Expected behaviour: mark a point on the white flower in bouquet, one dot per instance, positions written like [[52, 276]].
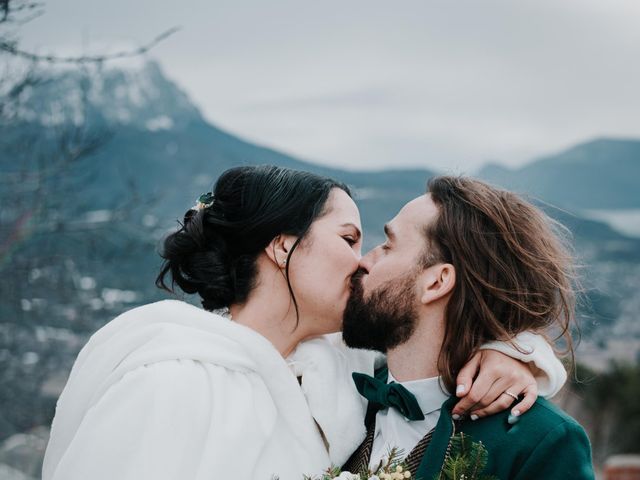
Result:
[[348, 476]]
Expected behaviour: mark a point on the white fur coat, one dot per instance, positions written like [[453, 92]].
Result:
[[170, 391]]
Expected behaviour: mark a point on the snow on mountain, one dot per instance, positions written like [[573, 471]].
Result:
[[125, 93]]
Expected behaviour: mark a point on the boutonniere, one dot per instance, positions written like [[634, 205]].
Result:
[[466, 460]]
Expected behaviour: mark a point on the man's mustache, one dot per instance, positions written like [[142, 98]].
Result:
[[356, 278]]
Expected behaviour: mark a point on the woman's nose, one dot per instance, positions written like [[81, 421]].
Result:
[[366, 262]]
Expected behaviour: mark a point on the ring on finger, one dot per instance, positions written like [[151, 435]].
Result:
[[507, 392]]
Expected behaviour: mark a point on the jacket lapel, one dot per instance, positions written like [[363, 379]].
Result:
[[437, 450], [414, 459]]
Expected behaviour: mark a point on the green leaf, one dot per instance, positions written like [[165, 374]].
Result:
[[467, 458]]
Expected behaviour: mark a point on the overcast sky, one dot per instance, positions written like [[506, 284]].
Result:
[[378, 83]]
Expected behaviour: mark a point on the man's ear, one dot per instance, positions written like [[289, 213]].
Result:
[[437, 282], [278, 249]]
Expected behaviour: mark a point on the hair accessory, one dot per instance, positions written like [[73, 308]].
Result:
[[204, 201]]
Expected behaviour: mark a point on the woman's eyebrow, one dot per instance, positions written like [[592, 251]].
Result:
[[358, 232]]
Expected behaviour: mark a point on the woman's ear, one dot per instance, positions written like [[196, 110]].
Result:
[[437, 282], [278, 249]]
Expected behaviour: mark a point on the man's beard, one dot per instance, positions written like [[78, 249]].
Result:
[[386, 319]]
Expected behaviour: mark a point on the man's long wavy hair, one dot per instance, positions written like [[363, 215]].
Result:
[[514, 269]]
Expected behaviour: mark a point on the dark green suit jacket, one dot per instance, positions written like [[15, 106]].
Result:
[[545, 443]]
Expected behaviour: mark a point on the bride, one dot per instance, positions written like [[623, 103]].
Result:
[[169, 390]]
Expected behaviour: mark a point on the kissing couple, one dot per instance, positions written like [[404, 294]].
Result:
[[446, 329]]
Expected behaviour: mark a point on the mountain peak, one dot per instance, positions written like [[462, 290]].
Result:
[[599, 173], [601, 150], [123, 93]]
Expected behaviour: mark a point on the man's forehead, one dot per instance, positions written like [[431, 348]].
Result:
[[416, 214]]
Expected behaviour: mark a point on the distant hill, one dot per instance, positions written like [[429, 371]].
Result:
[[160, 144], [600, 174]]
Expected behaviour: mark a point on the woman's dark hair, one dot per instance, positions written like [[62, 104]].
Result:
[[214, 252]]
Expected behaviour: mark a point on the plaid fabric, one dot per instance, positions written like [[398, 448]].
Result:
[[359, 460], [412, 461]]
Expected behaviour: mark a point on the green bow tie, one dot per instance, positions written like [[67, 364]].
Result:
[[384, 395]]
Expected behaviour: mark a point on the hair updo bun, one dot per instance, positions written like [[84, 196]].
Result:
[[198, 261], [214, 252]]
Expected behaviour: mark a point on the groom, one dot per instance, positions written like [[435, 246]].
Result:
[[463, 265]]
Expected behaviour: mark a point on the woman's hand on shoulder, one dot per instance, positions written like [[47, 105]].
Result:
[[488, 383]]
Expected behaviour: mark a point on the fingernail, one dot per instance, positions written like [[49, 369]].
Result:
[[474, 417], [460, 389], [455, 416], [513, 419], [516, 413]]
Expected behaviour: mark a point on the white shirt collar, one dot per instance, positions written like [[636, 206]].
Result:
[[427, 391]]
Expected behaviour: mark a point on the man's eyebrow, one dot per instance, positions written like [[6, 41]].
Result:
[[389, 232], [358, 232]]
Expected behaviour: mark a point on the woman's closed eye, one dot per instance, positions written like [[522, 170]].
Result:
[[350, 240]]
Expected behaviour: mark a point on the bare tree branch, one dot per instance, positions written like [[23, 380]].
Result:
[[4, 7], [7, 9], [12, 48]]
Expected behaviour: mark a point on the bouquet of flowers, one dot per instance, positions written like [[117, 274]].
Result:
[[465, 460], [392, 468]]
